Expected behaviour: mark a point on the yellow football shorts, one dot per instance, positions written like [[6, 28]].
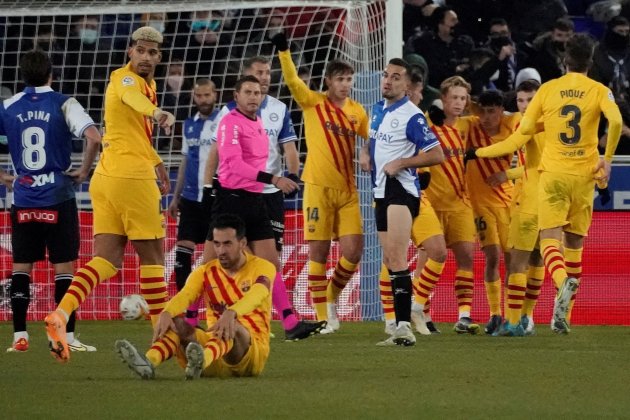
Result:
[[565, 201], [523, 234], [493, 225], [426, 224], [329, 213], [127, 207], [457, 226]]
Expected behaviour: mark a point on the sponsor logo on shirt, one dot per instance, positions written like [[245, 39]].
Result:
[[273, 117], [37, 180], [37, 215]]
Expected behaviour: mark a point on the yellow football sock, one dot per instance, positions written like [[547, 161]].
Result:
[[84, 281], [493, 293], [153, 289], [573, 261], [387, 298], [429, 276], [344, 270], [317, 285], [516, 288], [214, 349], [464, 283], [554, 260], [163, 349], [535, 278]]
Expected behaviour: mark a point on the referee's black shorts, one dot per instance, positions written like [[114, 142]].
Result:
[[194, 221], [275, 209], [250, 207]]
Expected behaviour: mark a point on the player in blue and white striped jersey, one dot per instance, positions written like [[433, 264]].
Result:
[[39, 124], [398, 132], [188, 198], [282, 141]]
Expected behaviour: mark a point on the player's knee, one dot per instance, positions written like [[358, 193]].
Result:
[[184, 331], [437, 254]]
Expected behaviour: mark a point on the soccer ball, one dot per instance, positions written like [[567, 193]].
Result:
[[133, 307]]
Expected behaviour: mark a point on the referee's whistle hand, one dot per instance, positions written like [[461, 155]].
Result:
[[285, 185]]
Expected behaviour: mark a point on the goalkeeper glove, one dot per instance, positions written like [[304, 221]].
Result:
[[437, 115], [280, 41], [425, 180], [296, 179], [604, 195], [469, 155]]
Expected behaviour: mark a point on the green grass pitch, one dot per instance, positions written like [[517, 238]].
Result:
[[583, 375]]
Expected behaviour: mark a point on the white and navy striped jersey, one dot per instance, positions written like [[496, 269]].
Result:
[[279, 127], [398, 131], [197, 138], [39, 124]]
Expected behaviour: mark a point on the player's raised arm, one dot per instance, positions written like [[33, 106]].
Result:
[[304, 96]]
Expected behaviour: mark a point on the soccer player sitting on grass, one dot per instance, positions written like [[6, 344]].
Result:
[[236, 288]]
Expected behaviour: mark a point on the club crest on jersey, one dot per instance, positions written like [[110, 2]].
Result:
[[128, 81], [244, 286], [395, 123], [274, 117]]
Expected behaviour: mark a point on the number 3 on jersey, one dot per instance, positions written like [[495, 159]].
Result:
[[33, 152], [573, 124]]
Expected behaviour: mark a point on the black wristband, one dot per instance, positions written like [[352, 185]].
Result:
[[264, 177], [294, 178]]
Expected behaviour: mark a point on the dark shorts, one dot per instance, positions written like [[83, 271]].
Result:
[[55, 228], [395, 194], [194, 221], [248, 206], [275, 209]]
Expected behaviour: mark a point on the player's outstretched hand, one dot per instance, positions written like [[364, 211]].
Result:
[[471, 154], [286, 185], [225, 327], [162, 326], [7, 180], [279, 40], [296, 179], [164, 119], [496, 179], [437, 115]]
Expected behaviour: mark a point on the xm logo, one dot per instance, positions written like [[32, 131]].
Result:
[[37, 180]]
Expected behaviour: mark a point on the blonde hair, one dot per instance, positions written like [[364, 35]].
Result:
[[454, 81], [147, 33]]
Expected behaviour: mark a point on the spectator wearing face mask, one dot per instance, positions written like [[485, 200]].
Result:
[[203, 45], [611, 67], [549, 47], [159, 22], [176, 98], [86, 63], [445, 51]]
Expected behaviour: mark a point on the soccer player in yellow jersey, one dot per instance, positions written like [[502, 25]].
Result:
[[236, 287], [331, 203], [448, 195], [570, 108], [491, 197], [523, 284], [125, 196]]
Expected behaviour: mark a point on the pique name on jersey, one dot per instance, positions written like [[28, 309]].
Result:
[[572, 93], [34, 115]]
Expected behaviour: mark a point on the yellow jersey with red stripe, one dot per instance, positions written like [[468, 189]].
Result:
[[330, 132], [127, 141], [220, 291], [570, 107], [478, 170], [447, 190]]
